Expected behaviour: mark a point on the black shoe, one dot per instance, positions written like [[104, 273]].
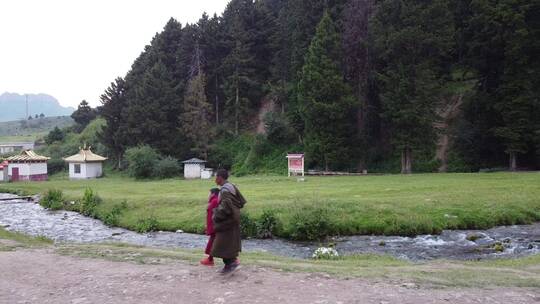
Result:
[[229, 269]]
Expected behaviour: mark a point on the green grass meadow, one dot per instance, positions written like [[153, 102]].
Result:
[[385, 204]]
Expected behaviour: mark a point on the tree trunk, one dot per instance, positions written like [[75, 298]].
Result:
[[406, 161], [449, 109], [217, 103], [283, 89], [513, 161], [236, 104], [326, 167], [119, 161]]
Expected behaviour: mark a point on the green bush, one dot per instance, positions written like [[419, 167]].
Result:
[[167, 167], [410, 226], [278, 130], [311, 225], [55, 165], [262, 157], [147, 224], [456, 163], [229, 150], [141, 161], [89, 203], [248, 227], [54, 135], [53, 199], [112, 218], [267, 225]]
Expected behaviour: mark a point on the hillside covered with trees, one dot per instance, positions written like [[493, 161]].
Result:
[[382, 85]]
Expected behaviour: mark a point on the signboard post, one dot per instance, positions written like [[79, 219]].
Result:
[[296, 163]]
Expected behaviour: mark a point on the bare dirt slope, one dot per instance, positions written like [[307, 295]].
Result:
[[40, 276]]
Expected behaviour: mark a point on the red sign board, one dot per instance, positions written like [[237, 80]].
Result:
[[296, 163]]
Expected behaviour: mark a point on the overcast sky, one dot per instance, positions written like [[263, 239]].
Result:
[[73, 49]]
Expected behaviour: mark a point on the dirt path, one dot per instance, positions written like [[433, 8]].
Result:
[[41, 276]]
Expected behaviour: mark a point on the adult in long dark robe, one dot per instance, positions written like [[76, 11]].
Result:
[[227, 244]]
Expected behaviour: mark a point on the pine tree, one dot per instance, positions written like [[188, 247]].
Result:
[[412, 40], [196, 114], [154, 92], [83, 115], [54, 135], [515, 99], [325, 100], [295, 26], [152, 117], [240, 86], [237, 84], [501, 44], [212, 45], [114, 134], [360, 75]]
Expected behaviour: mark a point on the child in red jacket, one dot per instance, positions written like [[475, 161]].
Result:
[[213, 202]]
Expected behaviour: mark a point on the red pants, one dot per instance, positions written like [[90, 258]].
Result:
[[209, 245]]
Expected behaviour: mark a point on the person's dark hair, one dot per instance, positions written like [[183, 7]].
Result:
[[214, 191], [223, 174]]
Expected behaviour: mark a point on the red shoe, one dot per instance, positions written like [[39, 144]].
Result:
[[207, 262]]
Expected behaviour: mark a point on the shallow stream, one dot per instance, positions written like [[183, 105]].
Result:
[[64, 226]]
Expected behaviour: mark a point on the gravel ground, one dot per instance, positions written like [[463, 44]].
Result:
[[41, 276]]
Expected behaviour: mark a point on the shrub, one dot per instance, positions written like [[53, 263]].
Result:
[[310, 225], [456, 163], [278, 131], [253, 158], [229, 150], [267, 225], [141, 161], [89, 203], [248, 227], [167, 167], [112, 218], [54, 135], [53, 200], [262, 157], [146, 224], [55, 165]]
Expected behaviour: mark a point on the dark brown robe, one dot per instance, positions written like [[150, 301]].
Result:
[[226, 218]]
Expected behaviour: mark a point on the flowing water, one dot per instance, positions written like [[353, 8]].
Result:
[[64, 226]]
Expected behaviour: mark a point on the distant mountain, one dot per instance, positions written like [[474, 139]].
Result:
[[13, 106]]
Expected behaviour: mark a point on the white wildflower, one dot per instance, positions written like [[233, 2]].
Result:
[[325, 253]]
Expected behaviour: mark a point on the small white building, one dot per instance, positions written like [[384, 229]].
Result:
[[11, 147], [27, 166], [207, 173], [193, 168], [3, 171], [85, 164]]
